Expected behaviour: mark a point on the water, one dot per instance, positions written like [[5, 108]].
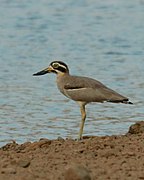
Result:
[[100, 39]]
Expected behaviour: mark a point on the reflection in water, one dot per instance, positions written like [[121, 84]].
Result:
[[103, 40]]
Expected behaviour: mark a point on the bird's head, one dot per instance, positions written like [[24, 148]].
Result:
[[57, 67]]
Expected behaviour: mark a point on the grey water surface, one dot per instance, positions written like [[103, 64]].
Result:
[[100, 39]]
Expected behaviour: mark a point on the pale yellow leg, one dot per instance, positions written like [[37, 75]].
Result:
[[83, 115]]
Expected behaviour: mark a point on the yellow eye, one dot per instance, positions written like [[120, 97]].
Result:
[[55, 65]]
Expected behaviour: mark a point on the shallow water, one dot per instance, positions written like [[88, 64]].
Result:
[[100, 39]]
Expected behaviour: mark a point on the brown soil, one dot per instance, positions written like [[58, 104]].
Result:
[[93, 158]]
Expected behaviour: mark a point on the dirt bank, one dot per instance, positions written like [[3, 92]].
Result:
[[96, 158]]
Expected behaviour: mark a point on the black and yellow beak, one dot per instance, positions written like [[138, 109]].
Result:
[[44, 71]]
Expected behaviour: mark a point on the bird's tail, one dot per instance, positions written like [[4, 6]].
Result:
[[125, 101]]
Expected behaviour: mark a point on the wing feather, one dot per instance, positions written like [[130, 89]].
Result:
[[88, 90]]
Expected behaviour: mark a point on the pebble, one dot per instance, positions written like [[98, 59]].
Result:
[[8, 171], [24, 163], [77, 172]]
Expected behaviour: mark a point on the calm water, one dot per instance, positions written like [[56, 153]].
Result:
[[100, 39]]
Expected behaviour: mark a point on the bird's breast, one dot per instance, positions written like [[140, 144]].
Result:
[[61, 81]]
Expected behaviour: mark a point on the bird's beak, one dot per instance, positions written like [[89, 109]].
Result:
[[44, 71]]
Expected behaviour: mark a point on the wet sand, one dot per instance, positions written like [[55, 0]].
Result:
[[97, 158]]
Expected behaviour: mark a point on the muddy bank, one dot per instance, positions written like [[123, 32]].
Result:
[[108, 157]]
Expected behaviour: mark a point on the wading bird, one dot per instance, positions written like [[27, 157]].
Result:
[[83, 90]]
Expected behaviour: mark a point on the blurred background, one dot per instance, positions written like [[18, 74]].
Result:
[[99, 39]]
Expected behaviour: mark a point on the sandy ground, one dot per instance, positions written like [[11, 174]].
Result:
[[93, 158]]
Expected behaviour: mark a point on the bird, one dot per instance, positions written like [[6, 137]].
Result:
[[81, 89]]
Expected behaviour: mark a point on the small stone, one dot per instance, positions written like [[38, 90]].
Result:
[[8, 171], [77, 172], [44, 139], [24, 163], [60, 138]]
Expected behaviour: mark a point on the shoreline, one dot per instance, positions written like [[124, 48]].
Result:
[[96, 157]]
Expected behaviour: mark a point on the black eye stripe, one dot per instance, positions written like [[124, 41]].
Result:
[[61, 69], [59, 66]]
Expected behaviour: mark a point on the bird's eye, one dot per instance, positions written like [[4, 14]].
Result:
[[55, 65]]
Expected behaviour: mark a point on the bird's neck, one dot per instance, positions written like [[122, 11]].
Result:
[[61, 74]]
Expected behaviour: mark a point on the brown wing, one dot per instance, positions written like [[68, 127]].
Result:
[[90, 90]]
